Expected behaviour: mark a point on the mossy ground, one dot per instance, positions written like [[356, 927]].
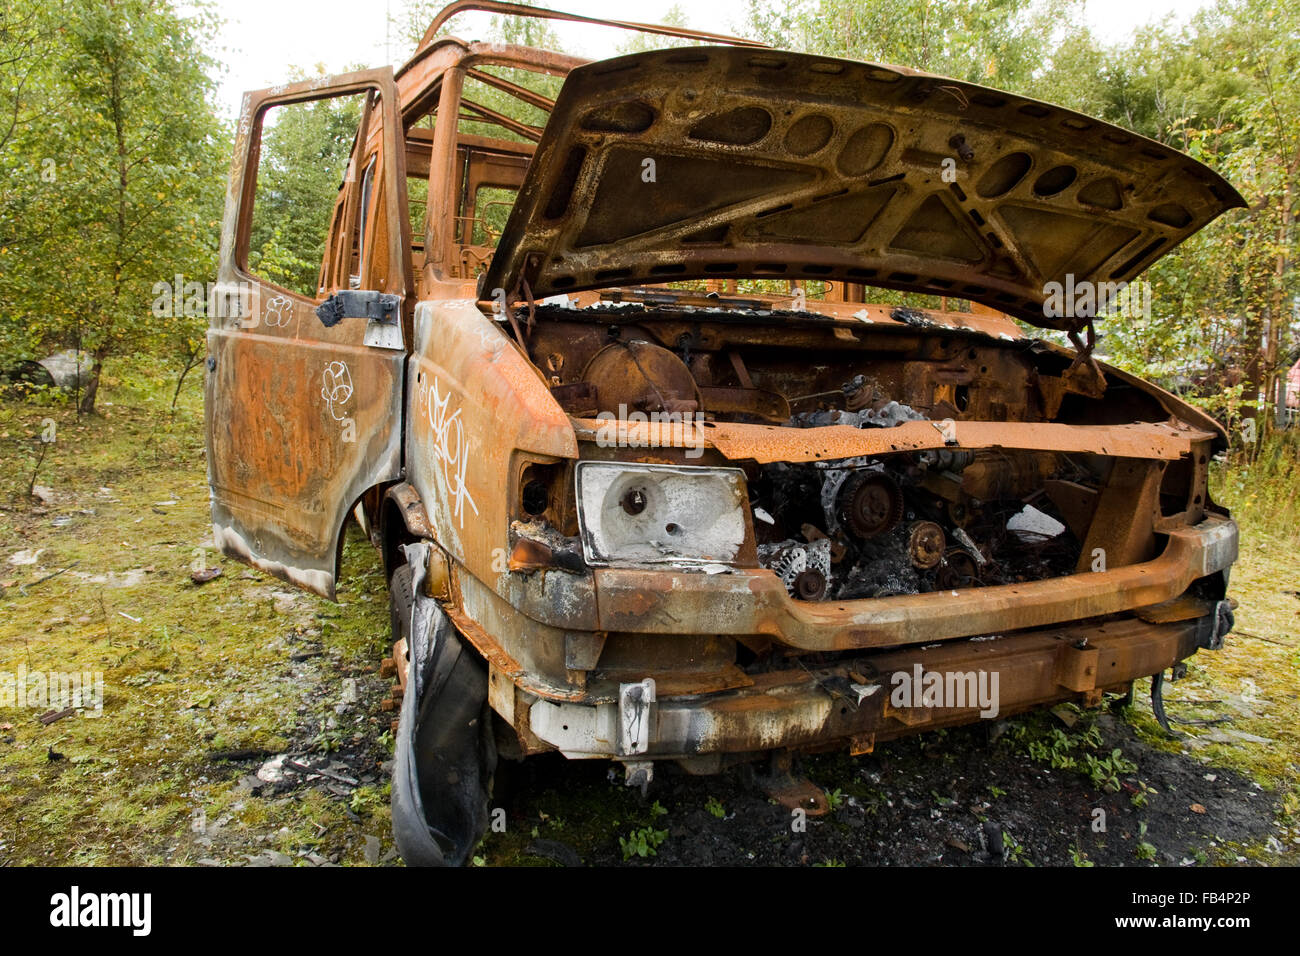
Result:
[[189, 670], [195, 672]]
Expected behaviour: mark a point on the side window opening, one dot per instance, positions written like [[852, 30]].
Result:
[[489, 213], [503, 111], [302, 172], [417, 201], [419, 146], [359, 236], [500, 119], [506, 103]]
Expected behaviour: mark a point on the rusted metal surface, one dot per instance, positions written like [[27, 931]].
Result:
[[301, 419], [722, 161], [920, 429], [762, 443], [800, 707], [412, 510], [488, 6], [740, 603]]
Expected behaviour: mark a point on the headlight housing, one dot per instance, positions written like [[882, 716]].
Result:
[[660, 514]]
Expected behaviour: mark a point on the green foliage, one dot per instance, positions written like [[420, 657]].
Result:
[[1014, 851], [1144, 850], [645, 841], [642, 842], [1079, 749], [117, 132], [365, 800], [1259, 485], [275, 260], [1000, 43], [674, 16], [305, 152], [715, 808]]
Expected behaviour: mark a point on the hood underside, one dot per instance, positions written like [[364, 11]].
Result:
[[719, 162]]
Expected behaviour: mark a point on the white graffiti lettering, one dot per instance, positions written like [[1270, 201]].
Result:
[[450, 448], [279, 310], [336, 389]]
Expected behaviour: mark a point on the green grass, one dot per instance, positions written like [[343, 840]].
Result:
[[188, 670]]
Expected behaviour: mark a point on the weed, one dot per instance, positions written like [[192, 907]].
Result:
[[642, 842], [1076, 750], [1144, 850]]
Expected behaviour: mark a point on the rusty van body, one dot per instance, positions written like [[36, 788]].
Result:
[[652, 480]]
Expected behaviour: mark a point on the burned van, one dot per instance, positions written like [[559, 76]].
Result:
[[590, 353]]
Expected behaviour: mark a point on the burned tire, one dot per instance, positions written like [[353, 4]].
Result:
[[400, 600], [442, 772]]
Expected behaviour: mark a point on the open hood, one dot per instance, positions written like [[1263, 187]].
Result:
[[719, 162]]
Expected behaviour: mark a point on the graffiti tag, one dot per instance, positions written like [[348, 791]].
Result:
[[450, 448]]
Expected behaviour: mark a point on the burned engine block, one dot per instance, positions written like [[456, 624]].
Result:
[[911, 522]]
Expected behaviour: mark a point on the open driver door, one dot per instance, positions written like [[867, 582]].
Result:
[[304, 390]]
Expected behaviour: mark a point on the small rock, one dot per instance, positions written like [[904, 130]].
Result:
[[350, 691], [273, 770], [372, 850], [251, 784], [1065, 715], [555, 851]]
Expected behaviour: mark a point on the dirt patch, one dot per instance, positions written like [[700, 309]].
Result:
[[958, 798]]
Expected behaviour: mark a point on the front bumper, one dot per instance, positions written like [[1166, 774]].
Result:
[[806, 708], [1046, 641], [650, 601]]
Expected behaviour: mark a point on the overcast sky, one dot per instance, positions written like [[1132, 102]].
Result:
[[262, 39]]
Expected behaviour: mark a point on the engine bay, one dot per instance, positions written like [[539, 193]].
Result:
[[912, 522]]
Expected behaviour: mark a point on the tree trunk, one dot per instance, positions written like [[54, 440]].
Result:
[[191, 362], [87, 406], [1251, 368]]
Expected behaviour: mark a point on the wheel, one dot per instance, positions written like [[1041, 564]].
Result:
[[400, 601], [442, 772]]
